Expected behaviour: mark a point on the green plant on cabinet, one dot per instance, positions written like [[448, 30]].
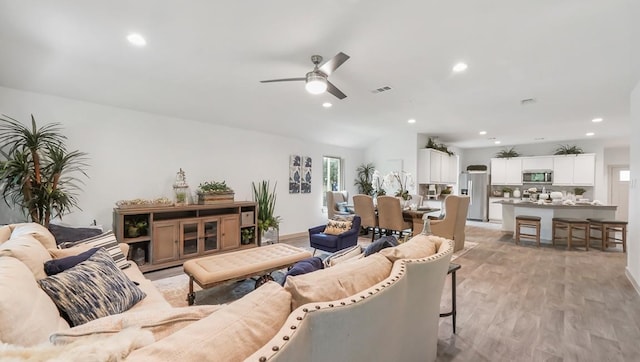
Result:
[[507, 153], [135, 226], [214, 187], [247, 235], [568, 150], [37, 172]]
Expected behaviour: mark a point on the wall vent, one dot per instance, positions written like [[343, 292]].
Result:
[[381, 89], [528, 101]]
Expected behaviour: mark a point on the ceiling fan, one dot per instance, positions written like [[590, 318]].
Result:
[[316, 80]]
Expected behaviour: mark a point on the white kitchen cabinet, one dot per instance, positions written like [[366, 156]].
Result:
[[495, 210], [537, 163], [574, 170], [435, 167], [506, 171]]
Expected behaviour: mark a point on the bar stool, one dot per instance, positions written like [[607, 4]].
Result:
[[571, 226], [528, 221], [608, 230]]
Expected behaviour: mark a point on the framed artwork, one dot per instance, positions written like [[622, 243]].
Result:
[[294, 174], [305, 187], [299, 174]]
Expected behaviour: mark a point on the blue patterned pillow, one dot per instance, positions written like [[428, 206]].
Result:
[[92, 289]]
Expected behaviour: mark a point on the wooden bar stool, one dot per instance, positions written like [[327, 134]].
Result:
[[527, 221], [607, 232], [572, 227]]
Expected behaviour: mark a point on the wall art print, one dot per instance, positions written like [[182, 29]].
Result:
[[299, 174]]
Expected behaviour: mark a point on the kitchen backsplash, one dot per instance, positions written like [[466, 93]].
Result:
[[498, 191]]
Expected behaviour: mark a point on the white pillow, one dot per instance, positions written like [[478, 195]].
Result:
[[29, 251]]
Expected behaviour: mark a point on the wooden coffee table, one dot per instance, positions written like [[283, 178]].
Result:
[[217, 269]]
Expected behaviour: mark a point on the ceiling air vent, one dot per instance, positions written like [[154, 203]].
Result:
[[381, 89], [528, 101]]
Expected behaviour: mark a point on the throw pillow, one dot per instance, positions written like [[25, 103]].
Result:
[[107, 241], [305, 266], [419, 246], [339, 217], [29, 251], [37, 231], [335, 227], [340, 281], [384, 242], [5, 233], [343, 255], [55, 266], [70, 234], [92, 289], [27, 314], [342, 206]]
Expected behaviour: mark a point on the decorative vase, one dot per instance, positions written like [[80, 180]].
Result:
[[269, 236]]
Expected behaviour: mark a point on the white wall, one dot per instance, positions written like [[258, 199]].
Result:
[[136, 155], [633, 248], [395, 149]]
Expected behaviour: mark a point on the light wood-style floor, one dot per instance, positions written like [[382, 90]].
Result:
[[521, 303]]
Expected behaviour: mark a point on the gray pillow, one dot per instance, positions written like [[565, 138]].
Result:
[[69, 234], [92, 289]]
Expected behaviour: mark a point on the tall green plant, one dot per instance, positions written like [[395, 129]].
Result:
[[364, 180], [37, 173], [266, 200]]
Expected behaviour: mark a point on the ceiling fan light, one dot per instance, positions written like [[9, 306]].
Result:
[[316, 84]]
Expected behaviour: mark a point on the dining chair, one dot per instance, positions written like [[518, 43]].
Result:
[[363, 205], [416, 199], [455, 218], [390, 215]]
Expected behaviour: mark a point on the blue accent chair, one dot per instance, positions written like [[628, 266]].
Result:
[[332, 243]]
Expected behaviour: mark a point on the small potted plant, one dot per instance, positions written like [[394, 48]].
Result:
[[579, 191], [506, 192], [247, 235], [211, 192], [135, 227]]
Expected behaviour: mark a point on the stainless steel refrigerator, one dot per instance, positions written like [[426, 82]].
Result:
[[476, 185]]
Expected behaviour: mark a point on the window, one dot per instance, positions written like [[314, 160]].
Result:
[[331, 176], [625, 175]]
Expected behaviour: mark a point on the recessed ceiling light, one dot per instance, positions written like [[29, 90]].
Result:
[[327, 105], [497, 142], [412, 120], [483, 132], [460, 67], [136, 39], [596, 120], [589, 134]]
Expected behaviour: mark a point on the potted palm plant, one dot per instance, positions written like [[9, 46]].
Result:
[[37, 172], [365, 178], [268, 223]]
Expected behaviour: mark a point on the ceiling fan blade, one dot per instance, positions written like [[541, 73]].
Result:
[[335, 91], [282, 80], [332, 64]]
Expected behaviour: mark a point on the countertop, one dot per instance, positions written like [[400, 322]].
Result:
[[521, 203]]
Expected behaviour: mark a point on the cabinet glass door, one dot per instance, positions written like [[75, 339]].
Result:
[[210, 235], [189, 238]]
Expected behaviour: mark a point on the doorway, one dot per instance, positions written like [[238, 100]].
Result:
[[619, 177]]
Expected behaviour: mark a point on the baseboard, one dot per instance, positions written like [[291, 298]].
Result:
[[632, 280], [293, 236]]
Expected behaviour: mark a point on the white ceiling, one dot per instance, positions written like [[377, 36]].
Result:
[[204, 61]]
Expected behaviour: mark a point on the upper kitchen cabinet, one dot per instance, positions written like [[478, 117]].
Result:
[[537, 163], [574, 170], [435, 167], [506, 171]]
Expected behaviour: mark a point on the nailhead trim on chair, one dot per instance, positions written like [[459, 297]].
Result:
[[369, 293]]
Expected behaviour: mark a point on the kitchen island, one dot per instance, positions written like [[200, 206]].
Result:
[[547, 211]]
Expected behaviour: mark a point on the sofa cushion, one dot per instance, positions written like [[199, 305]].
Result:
[[230, 334], [5, 233], [383, 242], [27, 314], [92, 289], [107, 241], [37, 231], [29, 251], [335, 227], [63, 233], [55, 266], [343, 255], [340, 281], [419, 246]]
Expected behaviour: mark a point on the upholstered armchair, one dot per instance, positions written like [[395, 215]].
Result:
[[336, 201], [452, 225], [330, 242]]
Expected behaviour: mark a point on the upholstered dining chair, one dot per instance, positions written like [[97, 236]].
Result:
[[331, 240], [363, 205], [416, 199], [390, 215], [336, 203], [455, 218]]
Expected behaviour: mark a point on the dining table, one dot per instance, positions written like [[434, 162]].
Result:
[[415, 217]]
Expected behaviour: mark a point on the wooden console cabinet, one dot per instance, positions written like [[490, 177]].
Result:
[[177, 233]]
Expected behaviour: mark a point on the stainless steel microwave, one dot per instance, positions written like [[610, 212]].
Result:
[[537, 176]]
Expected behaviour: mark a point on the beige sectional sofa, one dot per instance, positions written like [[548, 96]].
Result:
[[382, 307]]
